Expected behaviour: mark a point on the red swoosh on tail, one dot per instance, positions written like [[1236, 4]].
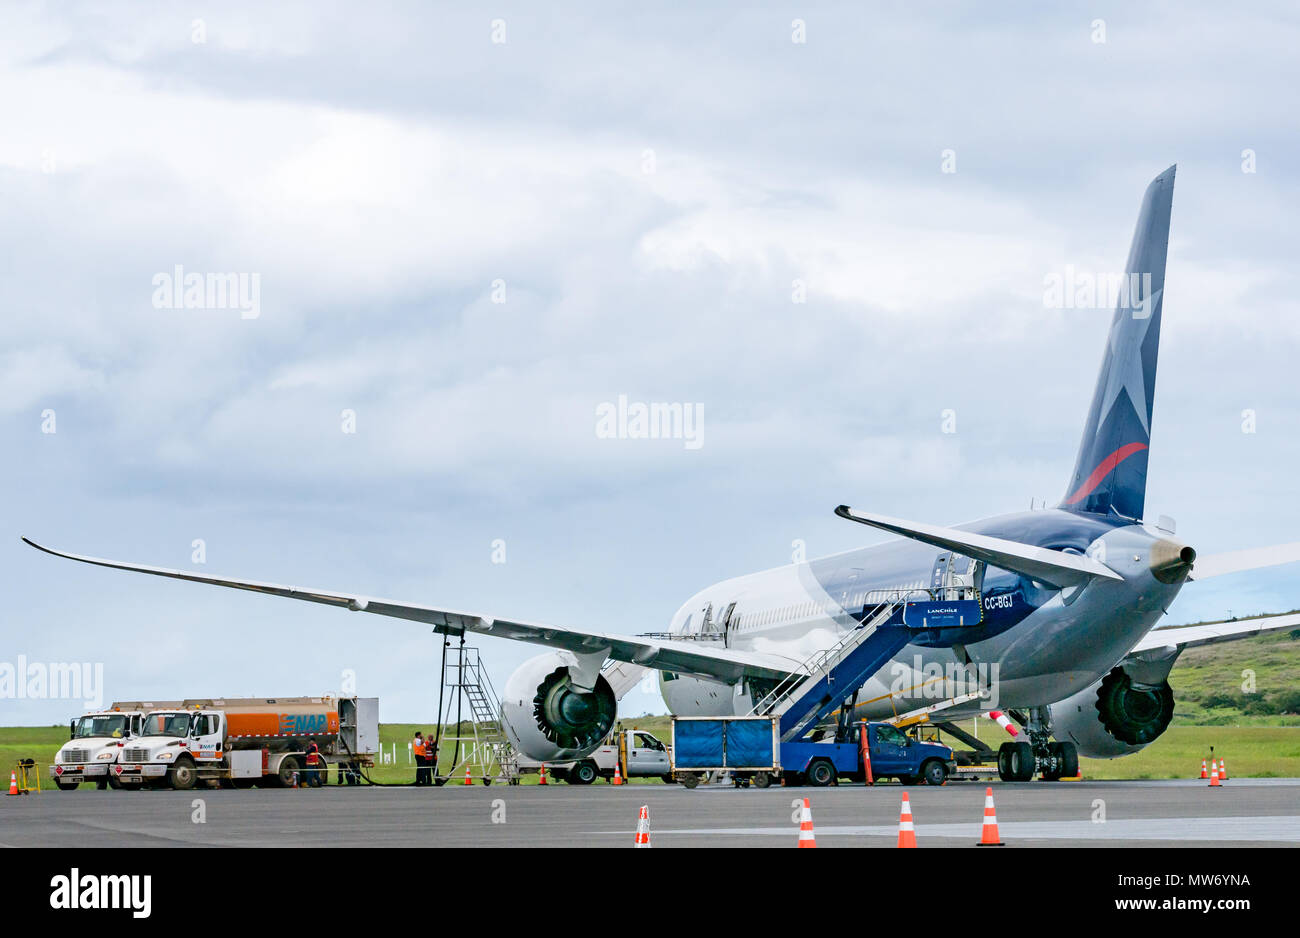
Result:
[[1102, 470]]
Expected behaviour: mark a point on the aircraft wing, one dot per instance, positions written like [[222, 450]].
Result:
[[1041, 563], [1190, 636], [703, 659]]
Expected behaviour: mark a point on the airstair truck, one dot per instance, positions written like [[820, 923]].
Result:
[[243, 742], [93, 742]]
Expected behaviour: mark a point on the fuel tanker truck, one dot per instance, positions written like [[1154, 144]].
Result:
[[248, 741]]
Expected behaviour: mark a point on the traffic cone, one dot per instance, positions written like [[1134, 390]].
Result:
[[989, 835], [643, 827], [542, 779], [1223, 769], [1214, 774], [13, 783], [618, 776], [806, 836], [906, 832], [467, 778], [1204, 774]]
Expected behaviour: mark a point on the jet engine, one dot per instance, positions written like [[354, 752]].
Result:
[[1115, 716], [549, 718]]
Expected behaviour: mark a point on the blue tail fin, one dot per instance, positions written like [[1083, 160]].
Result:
[[1110, 476]]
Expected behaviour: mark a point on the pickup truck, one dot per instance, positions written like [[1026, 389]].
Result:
[[644, 757], [748, 749]]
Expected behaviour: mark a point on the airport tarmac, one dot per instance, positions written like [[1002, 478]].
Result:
[[1244, 812]]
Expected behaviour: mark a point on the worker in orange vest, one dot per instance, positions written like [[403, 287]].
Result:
[[422, 771], [315, 762]]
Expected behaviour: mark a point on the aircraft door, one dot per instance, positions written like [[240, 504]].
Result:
[[955, 576]]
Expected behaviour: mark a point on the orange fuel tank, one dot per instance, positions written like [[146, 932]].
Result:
[[274, 722]]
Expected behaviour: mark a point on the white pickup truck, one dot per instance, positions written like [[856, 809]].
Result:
[[93, 743], [643, 756]]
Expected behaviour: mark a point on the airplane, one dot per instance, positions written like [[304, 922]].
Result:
[[1065, 600]]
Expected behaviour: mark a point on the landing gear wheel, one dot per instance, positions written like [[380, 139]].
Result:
[[821, 773], [934, 772], [1066, 758], [762, 779], [1016, 762]]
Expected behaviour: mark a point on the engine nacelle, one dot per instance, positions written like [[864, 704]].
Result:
[[549, 719], [1115, 716]]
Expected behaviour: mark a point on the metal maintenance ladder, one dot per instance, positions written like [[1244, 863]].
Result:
[[483, 743]]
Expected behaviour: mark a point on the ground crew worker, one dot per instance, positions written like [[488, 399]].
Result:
[[421, 762], [314, 762]]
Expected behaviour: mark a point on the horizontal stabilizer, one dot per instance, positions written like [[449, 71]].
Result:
[[1238, 561], [1054, 567]]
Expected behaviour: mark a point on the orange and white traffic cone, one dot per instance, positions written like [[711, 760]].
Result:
[[467, 778], [906, 832], [542, 778], [643, 827], [989, 835], [1204, 773], [806, 836], [618, 776], [1223, 769], [1214, 774], [13, 783]]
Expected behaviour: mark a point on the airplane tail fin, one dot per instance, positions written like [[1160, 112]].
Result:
[[1110, 475]]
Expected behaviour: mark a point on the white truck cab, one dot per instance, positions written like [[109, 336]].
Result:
[[94, 739], [164, 745]]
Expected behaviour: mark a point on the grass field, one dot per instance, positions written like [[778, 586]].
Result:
[[1216, 688]]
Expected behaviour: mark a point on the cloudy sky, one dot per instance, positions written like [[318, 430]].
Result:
[[471, 228]]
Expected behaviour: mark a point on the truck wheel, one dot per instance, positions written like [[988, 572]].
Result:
[[113, 783], [668, 779], [820, 773], [689, 780], [584, 773], [67, 786], [284, 775], [182, 775], [762, 779], [934, 772], [101, 783]]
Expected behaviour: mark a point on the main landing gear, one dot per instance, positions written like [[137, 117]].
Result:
[[1019, 761]]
